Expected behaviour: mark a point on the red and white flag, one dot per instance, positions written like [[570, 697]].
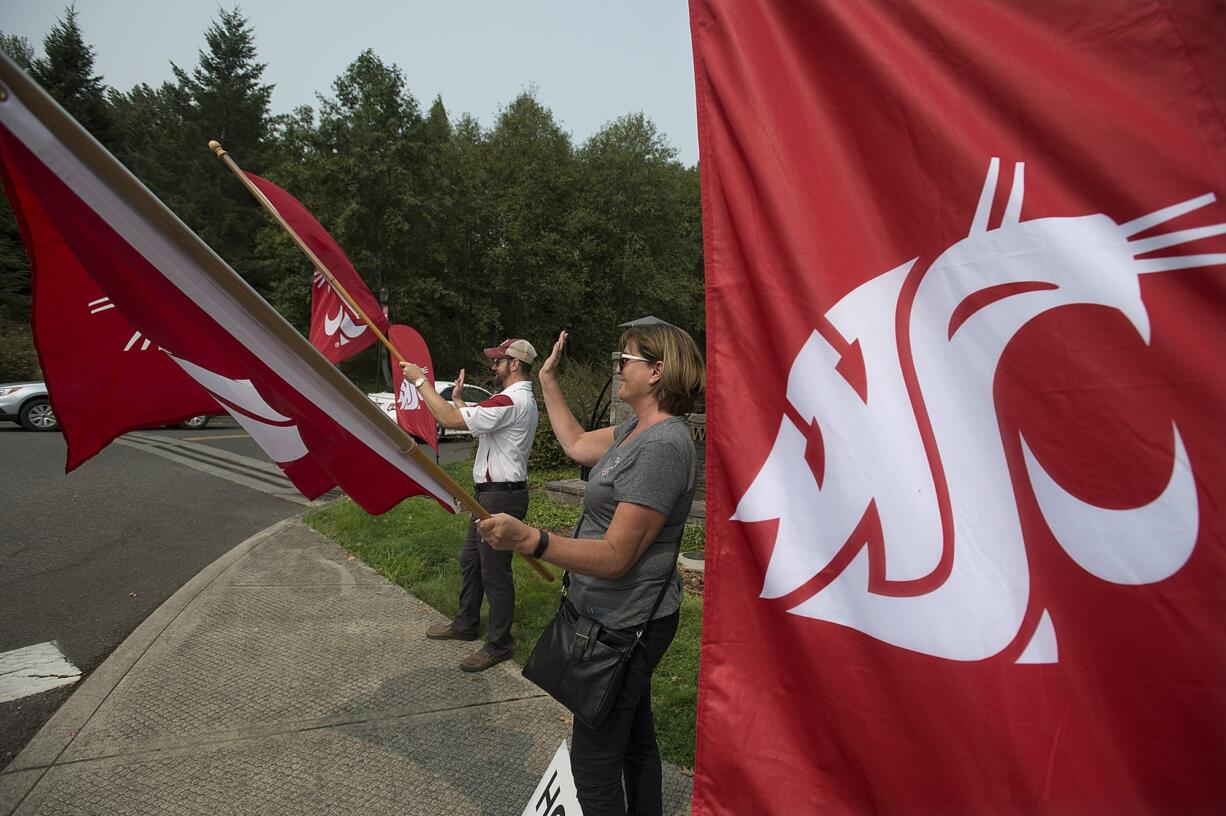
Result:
[[335, 329], [966, 544], [168, 285], [412, 414], [104, 377]]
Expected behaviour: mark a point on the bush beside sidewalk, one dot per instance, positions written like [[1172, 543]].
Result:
[[416, 545]]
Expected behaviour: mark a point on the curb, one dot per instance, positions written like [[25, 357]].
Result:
[[29, 766]]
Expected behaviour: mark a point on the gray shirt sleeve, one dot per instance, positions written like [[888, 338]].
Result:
[[656, 478]]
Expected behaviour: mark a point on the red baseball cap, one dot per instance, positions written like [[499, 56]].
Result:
[[519, 349]]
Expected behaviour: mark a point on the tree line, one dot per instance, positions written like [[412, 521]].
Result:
[[476, 233]]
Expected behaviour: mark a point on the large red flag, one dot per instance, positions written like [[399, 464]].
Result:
[[168, 285], [104, 377], [412, 414], [966, 550], [335, 329]]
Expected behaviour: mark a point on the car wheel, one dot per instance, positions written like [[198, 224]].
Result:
[[38, 415], [195, 423]]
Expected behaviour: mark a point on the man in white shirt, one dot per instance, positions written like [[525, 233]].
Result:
[[504, 426]]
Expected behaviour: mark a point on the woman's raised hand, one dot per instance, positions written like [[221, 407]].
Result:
[[550, 366]]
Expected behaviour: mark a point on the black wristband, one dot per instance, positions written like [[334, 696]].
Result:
[[542, 545]]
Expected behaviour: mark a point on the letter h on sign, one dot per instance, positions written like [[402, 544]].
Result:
[[550, 795]]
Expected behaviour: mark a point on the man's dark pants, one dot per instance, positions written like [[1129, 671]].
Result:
[[486, 571]]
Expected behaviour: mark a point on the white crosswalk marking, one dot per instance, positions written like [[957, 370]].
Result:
[[33, 669]]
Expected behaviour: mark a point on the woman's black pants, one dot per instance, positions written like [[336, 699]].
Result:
[[624, 746]]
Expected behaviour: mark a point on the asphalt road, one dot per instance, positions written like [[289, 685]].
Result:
[[85, 557]]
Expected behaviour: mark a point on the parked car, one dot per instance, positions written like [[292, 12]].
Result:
[[27, 403], [472, 394], [196, 422]]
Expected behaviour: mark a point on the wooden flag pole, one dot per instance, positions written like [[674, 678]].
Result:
[[415, 453]]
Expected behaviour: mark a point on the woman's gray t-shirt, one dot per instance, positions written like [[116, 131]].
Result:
[[656, 469]]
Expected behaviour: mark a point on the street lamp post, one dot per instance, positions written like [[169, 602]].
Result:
[[381, 359]]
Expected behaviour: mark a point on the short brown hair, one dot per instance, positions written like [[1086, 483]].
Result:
[[684, 377]]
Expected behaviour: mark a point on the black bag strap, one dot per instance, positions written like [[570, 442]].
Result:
[[668, 579]]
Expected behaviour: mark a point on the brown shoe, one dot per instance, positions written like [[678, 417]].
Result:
[[443, 631], [481, 660]]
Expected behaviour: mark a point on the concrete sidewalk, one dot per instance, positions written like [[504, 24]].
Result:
[[287, 679]]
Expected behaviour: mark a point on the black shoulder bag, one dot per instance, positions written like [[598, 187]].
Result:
[[581, 663]]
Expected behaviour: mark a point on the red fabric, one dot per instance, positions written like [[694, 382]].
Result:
[[270, 408], [965, 479], [497, 401], [335, 329], [104, 377], [411, 410]]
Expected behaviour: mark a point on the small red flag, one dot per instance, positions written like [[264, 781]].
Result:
[[335, 329], [411, 411]]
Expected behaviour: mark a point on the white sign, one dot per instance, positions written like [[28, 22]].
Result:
[[555, 794]]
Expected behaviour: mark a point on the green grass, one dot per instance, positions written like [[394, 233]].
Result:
[[416, 546]]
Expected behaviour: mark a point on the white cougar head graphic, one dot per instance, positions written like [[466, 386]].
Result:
[[409, 399], [342, 322], [957, 523]]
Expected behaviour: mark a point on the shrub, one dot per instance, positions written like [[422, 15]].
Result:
[[18, 360]]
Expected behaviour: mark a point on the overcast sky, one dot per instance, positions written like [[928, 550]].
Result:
[[589, 61]]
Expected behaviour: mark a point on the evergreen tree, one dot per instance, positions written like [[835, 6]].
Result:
[[14, 265], [66, 71], [529, 266], [19, 50], [148, 132], [228, 101], [223, 99], [369, 150], [465, 233], [370, 176], [636, 229]]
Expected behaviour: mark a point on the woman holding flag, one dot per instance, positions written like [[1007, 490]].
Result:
[[622, 558]]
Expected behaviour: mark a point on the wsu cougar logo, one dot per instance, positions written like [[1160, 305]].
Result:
[[343, 323], [409, 399], [972, 300], [339, 326]]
